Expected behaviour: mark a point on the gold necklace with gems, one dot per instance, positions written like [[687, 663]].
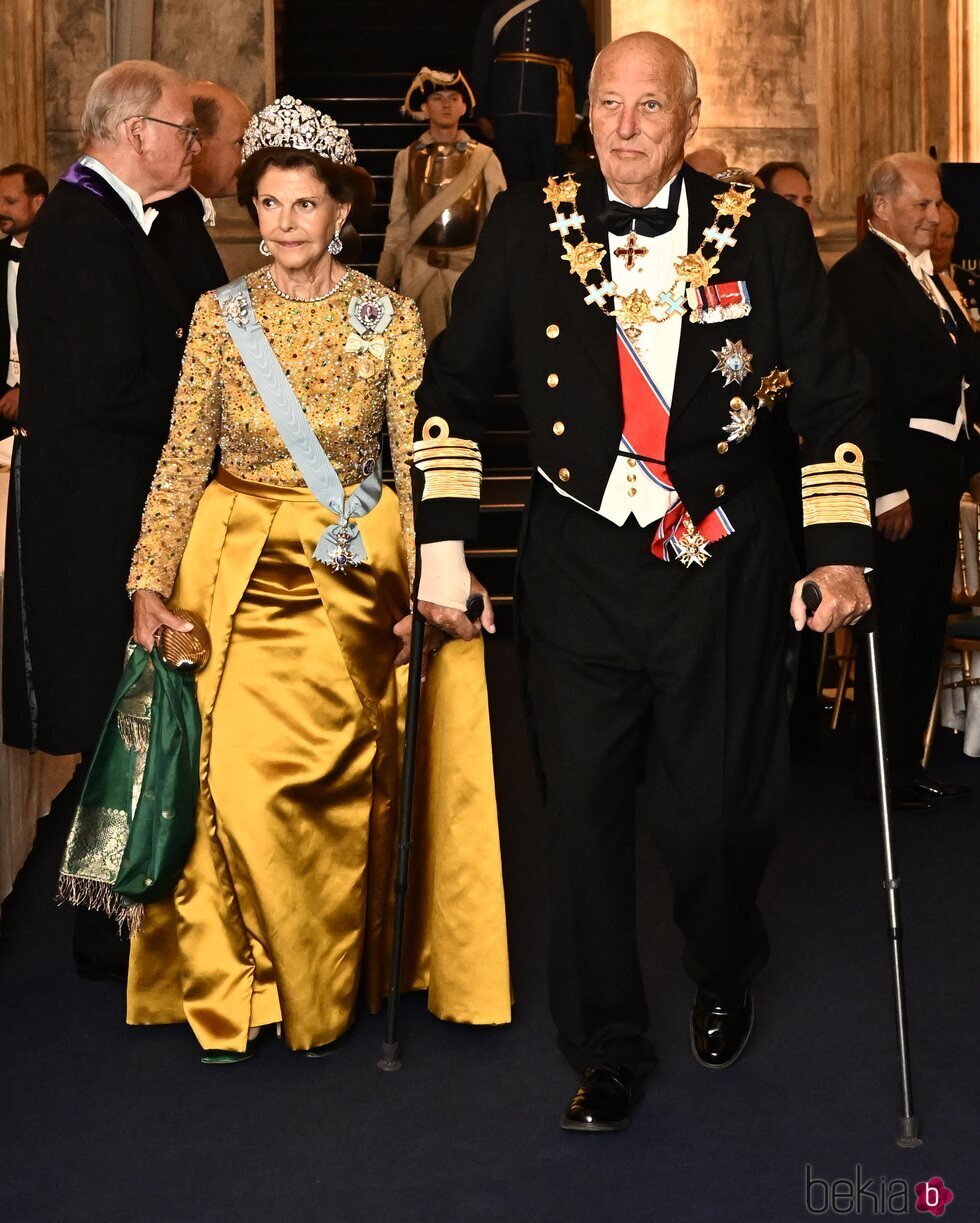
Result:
[[694, 269]]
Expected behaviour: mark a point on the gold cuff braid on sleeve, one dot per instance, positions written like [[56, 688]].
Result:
[[835, 492], [451, 466]]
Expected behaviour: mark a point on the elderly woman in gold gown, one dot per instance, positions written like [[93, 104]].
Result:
[[284, 907]]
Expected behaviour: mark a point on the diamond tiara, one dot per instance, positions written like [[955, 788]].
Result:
[[288, 123]]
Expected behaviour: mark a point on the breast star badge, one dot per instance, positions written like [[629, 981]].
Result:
[[696, 269], [562, 191], [633, 311], [742, 422], [734, 203], [583, 258], [772, 386], [734, 361], [692, 547]]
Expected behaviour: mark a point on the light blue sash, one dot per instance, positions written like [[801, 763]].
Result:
[[340, 545]]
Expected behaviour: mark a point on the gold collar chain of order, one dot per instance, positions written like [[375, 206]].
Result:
[[635, 309]]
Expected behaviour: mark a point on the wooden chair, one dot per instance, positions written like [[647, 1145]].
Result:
[[837, 654], [962, 628]]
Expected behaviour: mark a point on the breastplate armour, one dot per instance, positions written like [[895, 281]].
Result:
[[430, 168]]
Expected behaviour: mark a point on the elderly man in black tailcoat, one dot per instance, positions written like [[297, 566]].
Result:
[[102, 329], [925, 366], [656, 575]]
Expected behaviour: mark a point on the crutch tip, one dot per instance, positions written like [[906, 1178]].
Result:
[[389, 1056], [908, 1133]]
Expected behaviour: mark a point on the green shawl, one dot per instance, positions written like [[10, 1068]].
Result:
[[134, 825]]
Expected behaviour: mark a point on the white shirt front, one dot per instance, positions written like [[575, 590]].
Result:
[[629, 490], [131, 198], [921, 268], [13, 358], [210, 216]]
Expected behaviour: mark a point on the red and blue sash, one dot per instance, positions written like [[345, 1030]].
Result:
[[646, 416]]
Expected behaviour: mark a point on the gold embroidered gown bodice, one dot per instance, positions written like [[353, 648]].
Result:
[[348, 386]]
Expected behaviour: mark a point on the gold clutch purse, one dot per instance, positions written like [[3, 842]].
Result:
[[188, 651]]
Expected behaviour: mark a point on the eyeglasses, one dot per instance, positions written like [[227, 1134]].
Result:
[[190, 133]]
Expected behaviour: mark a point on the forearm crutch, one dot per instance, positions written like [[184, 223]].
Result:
[[908, 1125]]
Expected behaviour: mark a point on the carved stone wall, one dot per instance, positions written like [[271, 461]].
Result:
[[833, 83], [221, 40], [757, 71], [76, 51]]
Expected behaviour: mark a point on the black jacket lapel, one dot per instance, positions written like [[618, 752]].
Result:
[[596, 331], [907, 288], [83, 179]]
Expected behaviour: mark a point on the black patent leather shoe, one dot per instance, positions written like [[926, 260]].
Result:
[[720, 1027], [934, 791], [603, 1101]]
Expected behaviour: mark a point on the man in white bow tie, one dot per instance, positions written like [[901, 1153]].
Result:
[[924, 358]]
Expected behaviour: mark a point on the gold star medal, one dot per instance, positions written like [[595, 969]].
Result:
[[584, 258], [633, 311], [734, 361], [772, 386], [734, 203], [558, 192], [696, 269], [692, 547]]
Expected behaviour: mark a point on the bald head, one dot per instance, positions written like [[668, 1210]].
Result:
[[221, 116], [646, 44], [643, 108]]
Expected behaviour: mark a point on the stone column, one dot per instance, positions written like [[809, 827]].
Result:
[[883, 78], [757, 72], [22, 136]]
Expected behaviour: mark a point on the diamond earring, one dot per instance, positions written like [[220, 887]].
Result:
[[263, 249], [335, 246]]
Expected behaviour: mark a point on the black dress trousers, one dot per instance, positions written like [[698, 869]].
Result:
[[649, 680]]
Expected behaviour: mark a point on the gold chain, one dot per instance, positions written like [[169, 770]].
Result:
[[634, 309]]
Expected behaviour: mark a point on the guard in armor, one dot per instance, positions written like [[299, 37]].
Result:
[[531, 63], [442, 187]]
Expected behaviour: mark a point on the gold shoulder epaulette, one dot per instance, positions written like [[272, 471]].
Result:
[[451, 466], [835, 492]]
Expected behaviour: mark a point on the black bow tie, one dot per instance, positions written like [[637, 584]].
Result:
[[13, 254], [620, 218]]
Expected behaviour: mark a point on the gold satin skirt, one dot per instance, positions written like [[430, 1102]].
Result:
[[285, 905]]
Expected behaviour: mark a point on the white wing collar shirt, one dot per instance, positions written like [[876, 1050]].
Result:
[[13, 357], [131, 198]]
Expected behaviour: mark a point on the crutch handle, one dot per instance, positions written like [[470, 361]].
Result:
[[812, 596]]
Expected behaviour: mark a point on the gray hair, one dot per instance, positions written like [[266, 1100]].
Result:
[[887, 176], [130, 88], [949, 208], [690, 90]]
